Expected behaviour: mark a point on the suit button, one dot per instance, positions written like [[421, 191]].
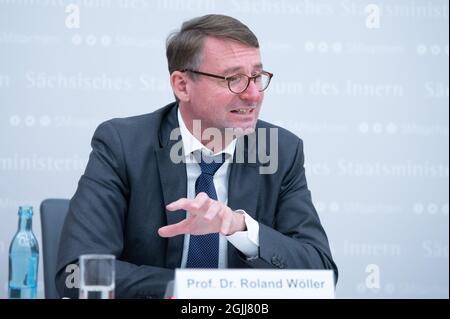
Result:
[[275, 261]]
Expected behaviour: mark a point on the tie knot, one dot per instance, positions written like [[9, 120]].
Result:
[[210, 164]]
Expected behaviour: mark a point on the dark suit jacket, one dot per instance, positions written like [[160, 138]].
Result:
[[120, 205]]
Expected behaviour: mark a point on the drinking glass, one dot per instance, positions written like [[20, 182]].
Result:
[[97, 276]]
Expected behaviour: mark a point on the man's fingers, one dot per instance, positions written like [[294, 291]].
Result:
[[203, 201], [227, 218], [197, 205], [175, 229], [190, 205], [178, 204], [213, 210]]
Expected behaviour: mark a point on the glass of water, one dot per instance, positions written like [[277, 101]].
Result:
[[97, 276]]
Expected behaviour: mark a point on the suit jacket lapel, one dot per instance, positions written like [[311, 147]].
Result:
[[243, 184], [243, 189], [173, 183]]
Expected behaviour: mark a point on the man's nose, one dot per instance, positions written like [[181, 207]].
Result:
[[252, 92]]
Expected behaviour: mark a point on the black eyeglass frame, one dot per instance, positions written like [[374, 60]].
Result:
[[228, 78]]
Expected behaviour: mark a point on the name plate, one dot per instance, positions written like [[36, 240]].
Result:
[[253, 284]]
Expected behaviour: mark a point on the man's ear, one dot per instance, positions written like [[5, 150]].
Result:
[[179, 84]]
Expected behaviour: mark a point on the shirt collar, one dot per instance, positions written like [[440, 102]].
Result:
[[191, 144]]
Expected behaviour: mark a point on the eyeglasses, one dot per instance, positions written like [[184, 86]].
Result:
[[238, 83]]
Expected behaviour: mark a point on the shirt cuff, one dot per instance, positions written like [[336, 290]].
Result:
[[247, 241]]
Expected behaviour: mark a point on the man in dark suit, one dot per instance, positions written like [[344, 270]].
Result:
[[172, 189]]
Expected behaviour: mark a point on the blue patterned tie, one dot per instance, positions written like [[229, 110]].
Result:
[[204, 249]]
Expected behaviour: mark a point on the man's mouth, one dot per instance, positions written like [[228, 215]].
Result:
[[242, 111]]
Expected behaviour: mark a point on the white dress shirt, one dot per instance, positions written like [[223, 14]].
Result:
[[245, 241]]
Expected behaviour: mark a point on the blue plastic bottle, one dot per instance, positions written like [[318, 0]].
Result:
[[23, 258]]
